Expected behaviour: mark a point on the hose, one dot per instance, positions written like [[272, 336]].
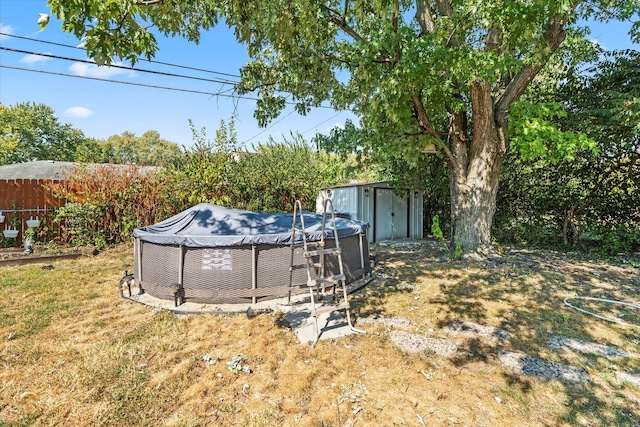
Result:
[[608, 319]]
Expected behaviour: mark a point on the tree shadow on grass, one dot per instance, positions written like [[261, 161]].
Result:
[[529, 303], [524, 295]]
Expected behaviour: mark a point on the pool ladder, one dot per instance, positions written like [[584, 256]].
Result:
[[316, 255]]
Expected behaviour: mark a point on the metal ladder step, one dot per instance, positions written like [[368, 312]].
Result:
[[328, 251], [329, 308], [318, 281]]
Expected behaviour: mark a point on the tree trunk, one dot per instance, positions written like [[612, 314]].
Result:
[[473, 204], [474, 173]]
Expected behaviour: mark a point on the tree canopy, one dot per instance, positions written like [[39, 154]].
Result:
[[416, 72], [30, 131]]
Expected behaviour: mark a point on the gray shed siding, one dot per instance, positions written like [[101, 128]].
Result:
[[390, 217]]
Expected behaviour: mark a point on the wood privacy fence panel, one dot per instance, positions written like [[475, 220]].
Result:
[[26, 198]]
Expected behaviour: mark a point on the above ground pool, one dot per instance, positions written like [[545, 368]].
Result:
[[212, 254]]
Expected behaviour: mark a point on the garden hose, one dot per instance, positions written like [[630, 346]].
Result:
[[608, 319]]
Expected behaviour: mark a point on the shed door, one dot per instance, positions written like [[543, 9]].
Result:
[[391, 216]]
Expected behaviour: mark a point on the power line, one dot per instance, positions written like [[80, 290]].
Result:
[[220, 93], [269, 127], [141, 59], [223, 94], [132, 84], [85, 61], [121, 67], [323, 122]]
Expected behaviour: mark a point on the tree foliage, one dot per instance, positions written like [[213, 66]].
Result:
[[201, 174], [30, 131], [415, 72], [268, 178], [277, 173], [147, 149], [598, 191]]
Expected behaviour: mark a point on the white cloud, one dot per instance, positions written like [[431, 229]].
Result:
[[32, 59], [336, 125], [8, 29], [598, 43], [78, 112], [91, 70]]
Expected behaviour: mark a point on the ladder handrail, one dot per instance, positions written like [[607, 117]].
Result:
[[296, 204], [319, 282], [328, 203]]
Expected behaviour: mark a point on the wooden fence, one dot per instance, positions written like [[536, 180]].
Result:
[[24, 199]]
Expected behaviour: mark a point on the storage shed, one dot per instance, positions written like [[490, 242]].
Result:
[[390, 216]]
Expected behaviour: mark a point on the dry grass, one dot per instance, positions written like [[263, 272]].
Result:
[[73, 353]]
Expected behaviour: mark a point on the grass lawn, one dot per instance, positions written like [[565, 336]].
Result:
[[73, 353]]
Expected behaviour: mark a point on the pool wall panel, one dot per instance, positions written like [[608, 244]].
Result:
[[237, 274]]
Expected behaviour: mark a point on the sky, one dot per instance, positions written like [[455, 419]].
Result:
[[101, 109]]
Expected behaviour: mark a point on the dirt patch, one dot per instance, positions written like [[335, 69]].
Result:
[[412, 343], [566, 343], [524, 364], [390, 321], [628, 377], [474, 330]]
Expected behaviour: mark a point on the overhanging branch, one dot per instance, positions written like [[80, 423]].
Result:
[[424, 17], [334, 16], [427, 126], [554, 35]]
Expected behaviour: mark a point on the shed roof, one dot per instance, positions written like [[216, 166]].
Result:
[[374, 184], [48, 169]]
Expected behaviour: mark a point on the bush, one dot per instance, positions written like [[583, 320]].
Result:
[[80, 222], [107, 202], [610, 241]]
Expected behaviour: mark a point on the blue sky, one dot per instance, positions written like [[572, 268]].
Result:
[[101, 109]]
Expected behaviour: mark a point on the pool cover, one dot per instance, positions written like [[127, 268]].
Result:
[[207, 225]]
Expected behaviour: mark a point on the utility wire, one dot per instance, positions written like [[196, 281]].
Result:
[[121, 67], [323, 122], [145, 85], [131, 83], [141, 59], [221, 93], [268, 127]]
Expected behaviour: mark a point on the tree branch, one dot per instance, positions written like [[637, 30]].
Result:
[[425, 123], [444, 7], [491, 43], [423, 118], [341, 23], [554, 35], [394, 18], [424, 17]]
